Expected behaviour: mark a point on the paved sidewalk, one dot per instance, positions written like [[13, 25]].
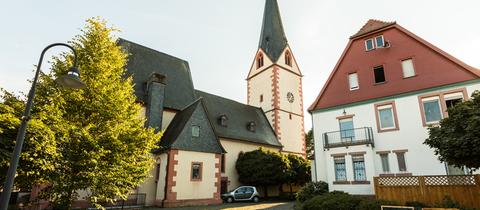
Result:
[[239, 206]]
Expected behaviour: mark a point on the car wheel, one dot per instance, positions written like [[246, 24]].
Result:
[[229, 199], [256, 199]]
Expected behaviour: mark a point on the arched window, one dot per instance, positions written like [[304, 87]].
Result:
[[288, 58], [259, 60]]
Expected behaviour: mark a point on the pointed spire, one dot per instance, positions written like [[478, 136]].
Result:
[[272, 39]]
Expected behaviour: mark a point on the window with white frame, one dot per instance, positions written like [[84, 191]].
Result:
[[379, 42], [432, 109], [353, 81], [359, 173], [407, 68], [385, 162], [452, 99], [340, 169], [386, 117], [369, 45]]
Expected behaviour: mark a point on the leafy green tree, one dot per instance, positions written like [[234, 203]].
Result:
[[96, 140], [262, 167], [309, 144], [298, 172], [457, 139], [38, 153]]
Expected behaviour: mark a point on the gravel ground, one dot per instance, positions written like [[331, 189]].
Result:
[[238, 206]]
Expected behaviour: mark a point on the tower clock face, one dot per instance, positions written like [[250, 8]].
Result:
[[290, 97]]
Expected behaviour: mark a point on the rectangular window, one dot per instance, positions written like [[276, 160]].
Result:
[[369, 44], [432, 110], [195, 131], [222, 165], [359, 168], [353, 81], [261, 98], [386, 116], [347, 132], [402, 166], [196, 174], [452, 99], [407, 67], [379, 74], [157, 172], [385, 163], [340, 170], [379, 41]]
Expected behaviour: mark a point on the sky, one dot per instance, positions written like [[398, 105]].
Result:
[[219, 38]]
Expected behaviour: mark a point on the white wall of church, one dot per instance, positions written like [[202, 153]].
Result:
[[289, 82], [149, 187], [261, 85], [266, 63], [233, 148], [291, 132], [185, 187], [167, 118], [281, 62], [163, 159]]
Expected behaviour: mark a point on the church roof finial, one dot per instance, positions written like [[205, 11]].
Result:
[[272, 38]]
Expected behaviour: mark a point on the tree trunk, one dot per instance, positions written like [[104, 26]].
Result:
[[291, 191]]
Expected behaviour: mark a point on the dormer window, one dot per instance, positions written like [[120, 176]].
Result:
[[259, 60], [288, 58], [251, 126], [222, 120]]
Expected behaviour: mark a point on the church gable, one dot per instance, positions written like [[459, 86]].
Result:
[[260, 63], [287, 61], [191, 130], [406, 63]]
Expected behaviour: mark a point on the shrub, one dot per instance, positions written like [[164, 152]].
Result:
[[373, 204], [332, 201], [311, 190]]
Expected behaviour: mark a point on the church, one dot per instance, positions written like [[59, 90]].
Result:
[[204, 133]]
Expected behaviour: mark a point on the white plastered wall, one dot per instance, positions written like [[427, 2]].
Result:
[[187, 189], [261, 84], [233, 148], [420, 159]]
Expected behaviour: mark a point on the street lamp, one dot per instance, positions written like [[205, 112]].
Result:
[[70, 80]]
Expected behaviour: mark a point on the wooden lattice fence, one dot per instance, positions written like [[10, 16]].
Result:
[[430, 190]]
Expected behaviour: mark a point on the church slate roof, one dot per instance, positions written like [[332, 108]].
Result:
[[239, 116], [272, 38], [178, 134], [143, 62]]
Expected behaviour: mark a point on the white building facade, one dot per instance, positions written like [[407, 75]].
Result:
[[372, 116]]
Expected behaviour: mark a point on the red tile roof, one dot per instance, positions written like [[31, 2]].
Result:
[[371, 25]]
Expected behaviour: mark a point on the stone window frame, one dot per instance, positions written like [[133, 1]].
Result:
[[443, 106], [394, 113], [200, 172]]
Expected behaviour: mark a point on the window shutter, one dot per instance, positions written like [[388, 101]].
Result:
[[353, 81], [408, 70]]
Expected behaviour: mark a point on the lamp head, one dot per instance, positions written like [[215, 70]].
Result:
[[71, 79]]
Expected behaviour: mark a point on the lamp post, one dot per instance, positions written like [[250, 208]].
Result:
[[71, 80]]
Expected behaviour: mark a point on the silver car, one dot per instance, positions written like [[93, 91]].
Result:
[[242, 193]]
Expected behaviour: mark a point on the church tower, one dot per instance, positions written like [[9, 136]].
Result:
[[274, 82]]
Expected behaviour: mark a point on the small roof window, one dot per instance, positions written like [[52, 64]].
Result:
[[222, 120], [251, 126]]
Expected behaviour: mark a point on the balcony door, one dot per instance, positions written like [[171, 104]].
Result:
[[347, 132]]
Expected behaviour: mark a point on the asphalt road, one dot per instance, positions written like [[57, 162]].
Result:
[[238, 206]]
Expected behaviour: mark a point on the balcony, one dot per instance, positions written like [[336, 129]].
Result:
[[348, 137]]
